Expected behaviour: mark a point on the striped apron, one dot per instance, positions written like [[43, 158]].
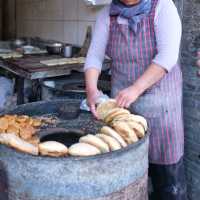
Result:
[[161, 105]]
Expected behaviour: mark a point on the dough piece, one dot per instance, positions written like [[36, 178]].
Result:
[[126, 132], [113, 143], [17, 143], [83, 149], [111, 132], [114, 113], [95, 141], [53, 148], [103, 108]]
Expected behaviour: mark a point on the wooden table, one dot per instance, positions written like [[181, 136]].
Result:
[[29, 67]]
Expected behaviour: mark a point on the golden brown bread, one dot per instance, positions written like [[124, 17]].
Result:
[[126, 132], [114, 113], [83, 149], [112, 143], [103, 108], [95, 141], [53, 148], [17, 143], [111, 132]]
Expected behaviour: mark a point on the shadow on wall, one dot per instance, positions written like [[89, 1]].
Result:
[[3, 182]]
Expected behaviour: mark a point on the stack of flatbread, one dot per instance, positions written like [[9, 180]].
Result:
[[122, 129]]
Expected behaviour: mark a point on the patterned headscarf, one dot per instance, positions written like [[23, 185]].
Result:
[[134, 14]]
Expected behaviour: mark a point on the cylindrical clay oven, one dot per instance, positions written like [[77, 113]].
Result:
[[120, 175]]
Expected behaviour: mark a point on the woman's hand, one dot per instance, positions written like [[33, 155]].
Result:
[[92, 95], [127, 96]]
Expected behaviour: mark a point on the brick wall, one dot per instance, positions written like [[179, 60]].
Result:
[[191, 97]]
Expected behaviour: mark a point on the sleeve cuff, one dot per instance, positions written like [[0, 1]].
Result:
[[93, 65], [164, 65]]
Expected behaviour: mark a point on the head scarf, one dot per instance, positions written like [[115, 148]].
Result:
[[134, 13]]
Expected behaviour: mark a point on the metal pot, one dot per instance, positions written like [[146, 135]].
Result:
[[67, 51], [55, 48]]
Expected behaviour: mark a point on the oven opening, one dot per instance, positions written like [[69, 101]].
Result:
[[66, 138]]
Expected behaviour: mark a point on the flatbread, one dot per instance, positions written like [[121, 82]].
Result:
[[17, 143], [95, 141], [53, 148], [131, 117], [104, 107], [126, 132], [111, 132], [114, 113], [113, 143], [138, 128], [83, 149], [139, 119]]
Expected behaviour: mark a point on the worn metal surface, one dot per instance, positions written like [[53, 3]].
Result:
[[25, 177], [72, 86], [29, 67]]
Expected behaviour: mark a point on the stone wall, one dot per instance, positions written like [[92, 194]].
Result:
[[191, 97]]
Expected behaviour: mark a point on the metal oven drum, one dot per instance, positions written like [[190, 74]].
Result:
[[118, 175]]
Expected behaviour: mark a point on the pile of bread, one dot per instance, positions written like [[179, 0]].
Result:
[[122, 128], [20, 132]]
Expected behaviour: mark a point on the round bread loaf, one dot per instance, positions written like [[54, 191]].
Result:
[[114, 113], [83, 149], [130, 117], [139, 119], [111, 132], [126, 132], [95, 141], [138, 128], [112, 143], [104, 107], [53, 148]]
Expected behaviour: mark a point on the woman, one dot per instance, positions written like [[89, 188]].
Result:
[[143, 37]]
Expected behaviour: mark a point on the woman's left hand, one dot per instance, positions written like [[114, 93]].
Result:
[[127, 96]]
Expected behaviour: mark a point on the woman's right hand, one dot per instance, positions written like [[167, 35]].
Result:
[[92, 95]]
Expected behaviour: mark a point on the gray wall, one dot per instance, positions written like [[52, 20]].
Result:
[[190, 43], [63, 20]]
